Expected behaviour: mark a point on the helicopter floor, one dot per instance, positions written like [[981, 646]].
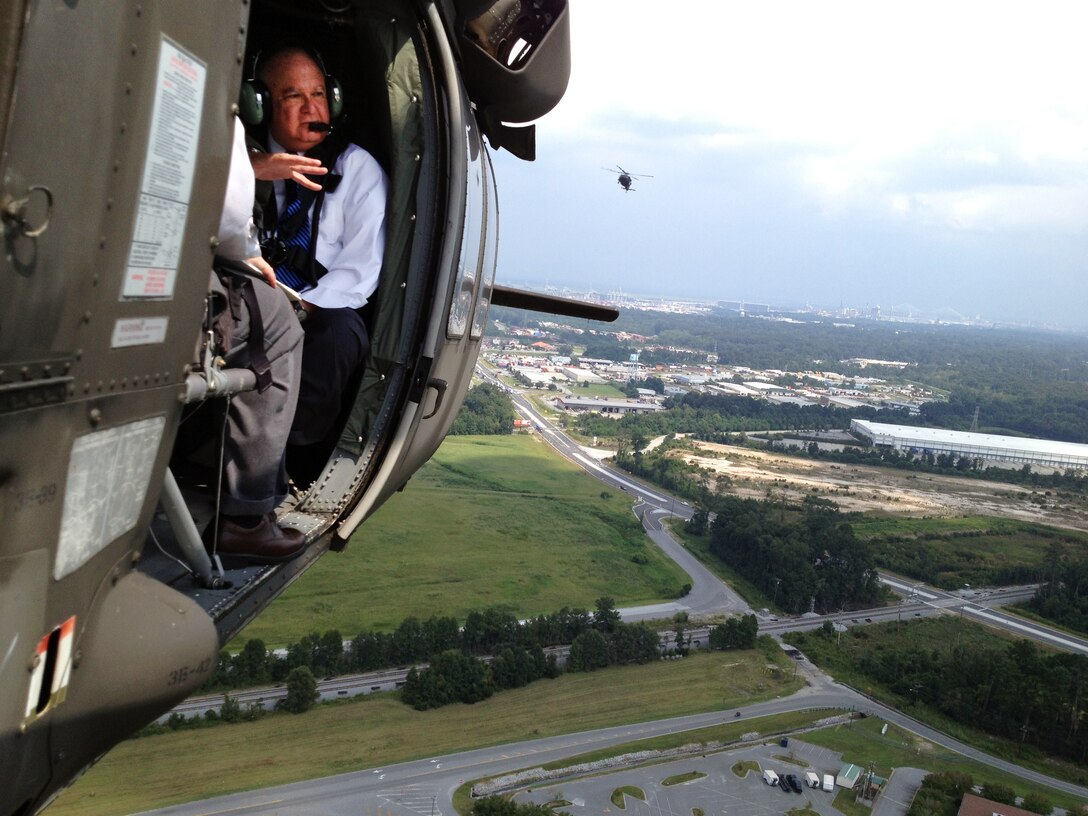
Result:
[[245, 590]]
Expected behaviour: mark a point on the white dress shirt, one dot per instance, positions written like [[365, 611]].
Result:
[[237, 232], [351, 234]]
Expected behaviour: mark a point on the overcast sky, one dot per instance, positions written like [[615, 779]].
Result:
[[866, 153]]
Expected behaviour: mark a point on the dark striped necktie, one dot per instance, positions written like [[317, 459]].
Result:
[[293, 236]]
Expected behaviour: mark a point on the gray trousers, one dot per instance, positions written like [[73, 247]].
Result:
[[258, 423]]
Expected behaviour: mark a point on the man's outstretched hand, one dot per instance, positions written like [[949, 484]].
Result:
[[271, 166]]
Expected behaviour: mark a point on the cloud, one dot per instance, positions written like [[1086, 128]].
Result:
[[924, 152]]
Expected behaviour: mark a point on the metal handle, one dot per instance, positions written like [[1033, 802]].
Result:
[[13, 210], [439, 387]]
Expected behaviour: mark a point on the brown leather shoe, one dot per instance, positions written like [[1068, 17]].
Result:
[[267, 543]]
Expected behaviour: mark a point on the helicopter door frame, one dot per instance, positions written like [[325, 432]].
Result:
[[459, 123]]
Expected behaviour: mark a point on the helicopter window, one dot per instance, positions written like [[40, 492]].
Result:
[[471, 238], [491, 248]]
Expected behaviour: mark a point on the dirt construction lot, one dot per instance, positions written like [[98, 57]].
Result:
[[759, 474]]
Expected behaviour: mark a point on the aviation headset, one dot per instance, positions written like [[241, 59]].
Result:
[[255, 99]]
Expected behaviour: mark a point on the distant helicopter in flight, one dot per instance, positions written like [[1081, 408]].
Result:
[[624, 178]]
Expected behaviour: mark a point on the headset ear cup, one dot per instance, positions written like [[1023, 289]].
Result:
[[254, 103], [335, 96]]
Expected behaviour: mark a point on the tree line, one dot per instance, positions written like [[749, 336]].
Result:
[[455, 672], [454, 676], [485, 632], [413, 641], [457, 676]]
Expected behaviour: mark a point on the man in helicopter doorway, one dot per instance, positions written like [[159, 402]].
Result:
[[260, 331], [323, 230]]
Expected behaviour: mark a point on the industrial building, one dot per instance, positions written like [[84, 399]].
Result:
[[988, 447]]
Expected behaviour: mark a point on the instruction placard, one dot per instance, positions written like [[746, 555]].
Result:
[[167, 182]]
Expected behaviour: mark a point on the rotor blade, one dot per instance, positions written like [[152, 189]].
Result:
[[536, 302]]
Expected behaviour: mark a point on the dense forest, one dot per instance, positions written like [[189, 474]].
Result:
[[807, 561], [1063, 597]]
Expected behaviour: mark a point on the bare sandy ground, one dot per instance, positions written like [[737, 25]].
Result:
[[758, 474]]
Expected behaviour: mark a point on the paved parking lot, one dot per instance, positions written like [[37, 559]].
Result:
[[719, 793]]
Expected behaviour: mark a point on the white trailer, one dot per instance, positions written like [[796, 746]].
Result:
[[812, 779], [770, 777], [829, 783]]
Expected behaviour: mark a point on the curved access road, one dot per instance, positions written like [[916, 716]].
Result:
[[709, 595]]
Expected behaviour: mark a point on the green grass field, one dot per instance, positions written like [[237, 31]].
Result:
[[489, 521], [379, 730], [597, 391]]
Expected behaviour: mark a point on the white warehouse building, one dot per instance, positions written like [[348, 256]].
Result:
[[989, 447]]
